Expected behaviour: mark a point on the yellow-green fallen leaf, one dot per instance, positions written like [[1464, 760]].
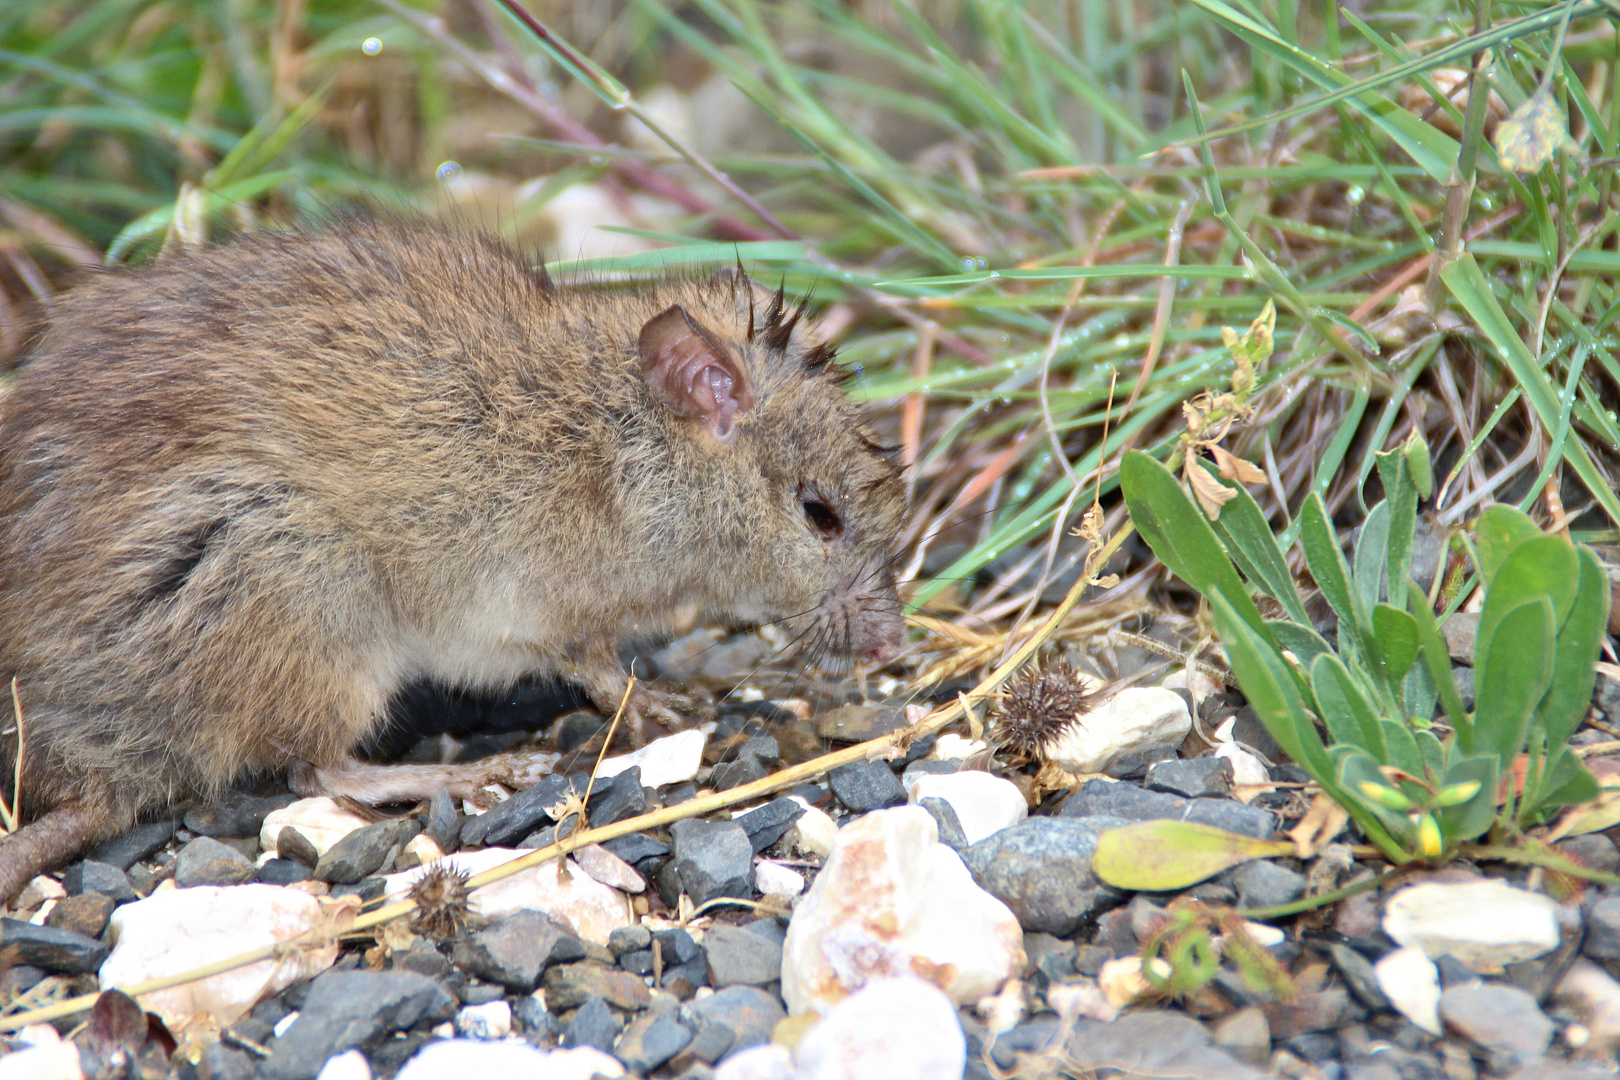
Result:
[[1155, 855], [1529, 137]]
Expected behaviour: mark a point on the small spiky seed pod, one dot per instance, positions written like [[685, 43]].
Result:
[[442, 904], [1037, 706]]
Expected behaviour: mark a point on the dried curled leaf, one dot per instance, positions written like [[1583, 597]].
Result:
[[1529, 137]]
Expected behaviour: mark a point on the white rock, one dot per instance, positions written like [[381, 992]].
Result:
[[608, 868], [491, 1020], [984, 804], [891, 900], [589, 909], [509, 1059], [50, 1061], [322, 821], [349, 1065], [1412, 983], [774, 879], [177, 930], [899, 1029], [1591, 994], [1246, 768], [1135, 717], [813, 833], [425, 848], [1122, 982], [1082, 998], [1485, 924], [953, 747], [769, 1062], [669, 760]]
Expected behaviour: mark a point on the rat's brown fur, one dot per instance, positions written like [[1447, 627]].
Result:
[[246, 495]]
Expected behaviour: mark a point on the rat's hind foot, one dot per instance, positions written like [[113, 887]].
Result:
[[376, 785]]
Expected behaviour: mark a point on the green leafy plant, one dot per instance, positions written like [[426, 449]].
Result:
[[1361, 718]]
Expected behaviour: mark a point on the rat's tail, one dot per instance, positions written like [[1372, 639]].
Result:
[[49, 841]]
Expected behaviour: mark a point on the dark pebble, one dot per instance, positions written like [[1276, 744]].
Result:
[[734, 774], [515, 950], [367, 889], [677, 946], [677, 793], [1191, 777], [636, 847], [1311, 1010], [948, 825], [1041, 869], [362, 852], [206, 861], [284, 872], [85, 914], [866, 785], [711, 1044], [423, 959], [131, 847], [1358, 975], [294, 845], [49, 947], [1603, 930], [1264, 884], [593, 1024], [712, 858], [620, 797], [532, 1016], [221, 1062], [91, 876], [739, 957], [346, 1009], [766, 824], [626, 939], [1033, 1037], [443, 823], [512, 820], [1134, 764], [1099, 798], [748, 1013], [682, 980], [650, 1041]]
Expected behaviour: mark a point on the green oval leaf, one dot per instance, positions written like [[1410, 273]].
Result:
[[1151, 856], [1396, 633], [1513, 670]]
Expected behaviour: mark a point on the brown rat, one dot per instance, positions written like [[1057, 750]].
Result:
[[247, 495]]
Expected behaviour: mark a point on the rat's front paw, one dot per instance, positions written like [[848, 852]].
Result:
[[656, 710]]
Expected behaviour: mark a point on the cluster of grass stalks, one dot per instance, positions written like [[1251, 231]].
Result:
[[1027, 223]]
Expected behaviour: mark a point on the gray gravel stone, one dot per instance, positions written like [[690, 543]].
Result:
[[284, 872], [239, 816], [1041, 869], [50, 947], [866, 785], [712, 858], [1499, 1018], [206, 861], [637, 846], [1603, 930], [91, 876], [739, 957], [747, 1012], [1099, 798], [294, 845], [628, 939], [766, 824], [650, 1041], [621, 797], [1191, 777], [131, 847], [1155, 1043], [947, 823], [593, 1024], [733, 774], [1594, 851], [517, 817], [1358, 975], [346, 1009], [515, 950], [360, 853], [85, 914], [443, 823], [1264, 884], [571, 985], [858, 723]]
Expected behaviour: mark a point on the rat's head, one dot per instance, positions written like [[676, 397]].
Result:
[[796, 499]]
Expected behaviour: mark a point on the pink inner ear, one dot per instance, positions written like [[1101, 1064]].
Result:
[[691, 374]]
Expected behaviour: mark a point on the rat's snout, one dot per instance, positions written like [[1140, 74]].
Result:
[[862, 619]]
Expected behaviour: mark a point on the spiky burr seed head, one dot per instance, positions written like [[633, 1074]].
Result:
[[442, 902], [1037, 706]]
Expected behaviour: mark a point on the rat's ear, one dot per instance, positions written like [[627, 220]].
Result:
[[692, 374]]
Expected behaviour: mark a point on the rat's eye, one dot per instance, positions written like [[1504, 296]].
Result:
[[823, 520]]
